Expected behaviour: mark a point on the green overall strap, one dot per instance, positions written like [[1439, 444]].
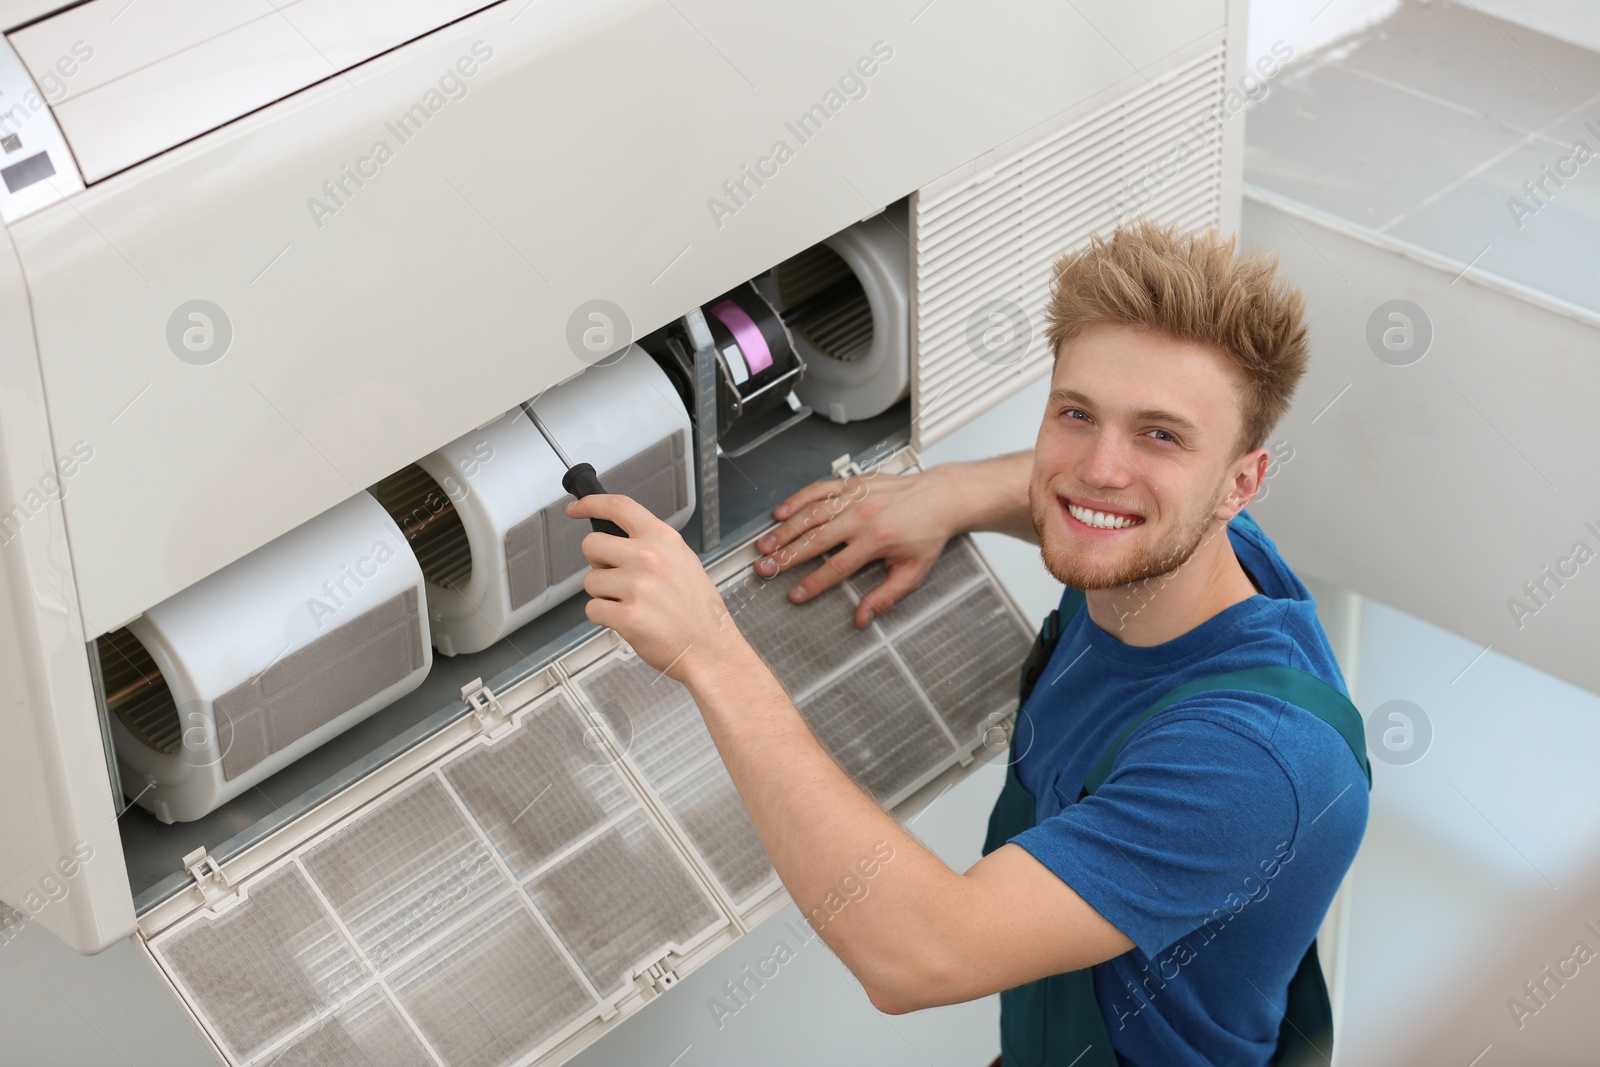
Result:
[[1057, 1020], [1308, 1014], [1289, 684]]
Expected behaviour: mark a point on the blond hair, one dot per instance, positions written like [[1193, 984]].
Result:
[[1190, 287]]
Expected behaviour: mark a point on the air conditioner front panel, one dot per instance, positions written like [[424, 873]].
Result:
[[379, 304], [146, 79]]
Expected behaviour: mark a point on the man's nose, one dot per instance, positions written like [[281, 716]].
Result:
[[1107, 462]]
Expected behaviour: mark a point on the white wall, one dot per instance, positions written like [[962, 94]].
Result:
[[1469, 852], [1306, 25], [1309, 24], [1577, 21]]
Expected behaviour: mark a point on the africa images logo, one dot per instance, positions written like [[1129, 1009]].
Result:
[[338, 191]]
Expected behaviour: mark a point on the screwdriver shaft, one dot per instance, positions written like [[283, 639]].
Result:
[[528, 410], [580, 479]]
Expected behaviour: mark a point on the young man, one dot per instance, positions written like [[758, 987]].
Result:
[[1192, 869]]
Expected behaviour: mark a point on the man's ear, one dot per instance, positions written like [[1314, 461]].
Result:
[[1248, 475]]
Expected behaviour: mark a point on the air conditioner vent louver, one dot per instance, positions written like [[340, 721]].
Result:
[[159, 79], [991, 231]]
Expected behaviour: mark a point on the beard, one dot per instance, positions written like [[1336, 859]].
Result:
[[1146, 560]]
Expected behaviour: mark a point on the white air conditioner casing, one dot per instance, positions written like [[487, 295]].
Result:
[[287, 251]]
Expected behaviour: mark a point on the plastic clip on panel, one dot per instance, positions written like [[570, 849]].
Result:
[[209, 879], [493, 719], [658, 977]]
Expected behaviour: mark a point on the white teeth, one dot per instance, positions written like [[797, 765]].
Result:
[[1100, 519]]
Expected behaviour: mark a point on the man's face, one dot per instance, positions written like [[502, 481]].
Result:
[[1141, 428]]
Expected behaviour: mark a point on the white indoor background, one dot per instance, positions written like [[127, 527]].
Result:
[[1469, 853]]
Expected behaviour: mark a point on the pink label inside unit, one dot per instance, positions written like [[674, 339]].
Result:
[[747, 333]]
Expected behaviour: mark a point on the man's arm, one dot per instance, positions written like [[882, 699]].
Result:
[[904, 520], [923, 934], [996, 495]]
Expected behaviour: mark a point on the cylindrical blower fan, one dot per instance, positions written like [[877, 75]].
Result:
[[847, 303], [228, 681], [486, 514]]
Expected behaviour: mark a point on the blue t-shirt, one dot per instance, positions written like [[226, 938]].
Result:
[[1223, 830]]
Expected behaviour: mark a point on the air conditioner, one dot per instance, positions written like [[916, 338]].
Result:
[[277, 281]]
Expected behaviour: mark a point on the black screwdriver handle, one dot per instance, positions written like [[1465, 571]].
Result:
[[581, 480]]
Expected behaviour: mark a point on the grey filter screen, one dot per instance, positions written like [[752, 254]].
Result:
[[802, 643], [493, 991], [894, 702], [876, 725], [708, 807], [405, 872], [540, 789], [653, 721], [967, 657], [474, 911], [477, 913], [368, 1033], [270, 964], [957, 568], [622, 897], [651, 718]]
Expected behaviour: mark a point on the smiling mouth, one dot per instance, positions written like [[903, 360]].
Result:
[[1101, 520]]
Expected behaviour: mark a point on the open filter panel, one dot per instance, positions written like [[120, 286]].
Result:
[[482, 913], [895, 703], [517, 883], [653, 722]]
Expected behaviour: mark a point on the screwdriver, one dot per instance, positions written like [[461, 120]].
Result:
[[580, 479]]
